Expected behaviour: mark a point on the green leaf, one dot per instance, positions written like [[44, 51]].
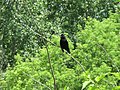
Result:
[[85, 84], [98, 78]]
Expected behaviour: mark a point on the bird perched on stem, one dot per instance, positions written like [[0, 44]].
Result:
[[64, 43]]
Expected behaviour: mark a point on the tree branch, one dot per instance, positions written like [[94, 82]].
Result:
[[51, 68]]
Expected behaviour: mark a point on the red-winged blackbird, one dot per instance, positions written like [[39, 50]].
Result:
[[64, 43]]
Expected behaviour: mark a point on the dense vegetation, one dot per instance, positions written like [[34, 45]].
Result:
[[30, 54]]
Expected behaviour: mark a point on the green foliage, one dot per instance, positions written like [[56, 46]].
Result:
[[94, 63], [98, 50], [20, 20], [23, 24], [69, 13], [100, 39]]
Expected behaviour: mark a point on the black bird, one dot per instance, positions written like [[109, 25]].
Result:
[[64, 43]]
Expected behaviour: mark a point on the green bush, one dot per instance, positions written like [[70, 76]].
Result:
[[94, 63]]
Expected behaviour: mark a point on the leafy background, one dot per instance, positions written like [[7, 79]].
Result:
[[30, 54]]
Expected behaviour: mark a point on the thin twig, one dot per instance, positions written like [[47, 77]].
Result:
[[45, 38], [51, 68], [76, 61]]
